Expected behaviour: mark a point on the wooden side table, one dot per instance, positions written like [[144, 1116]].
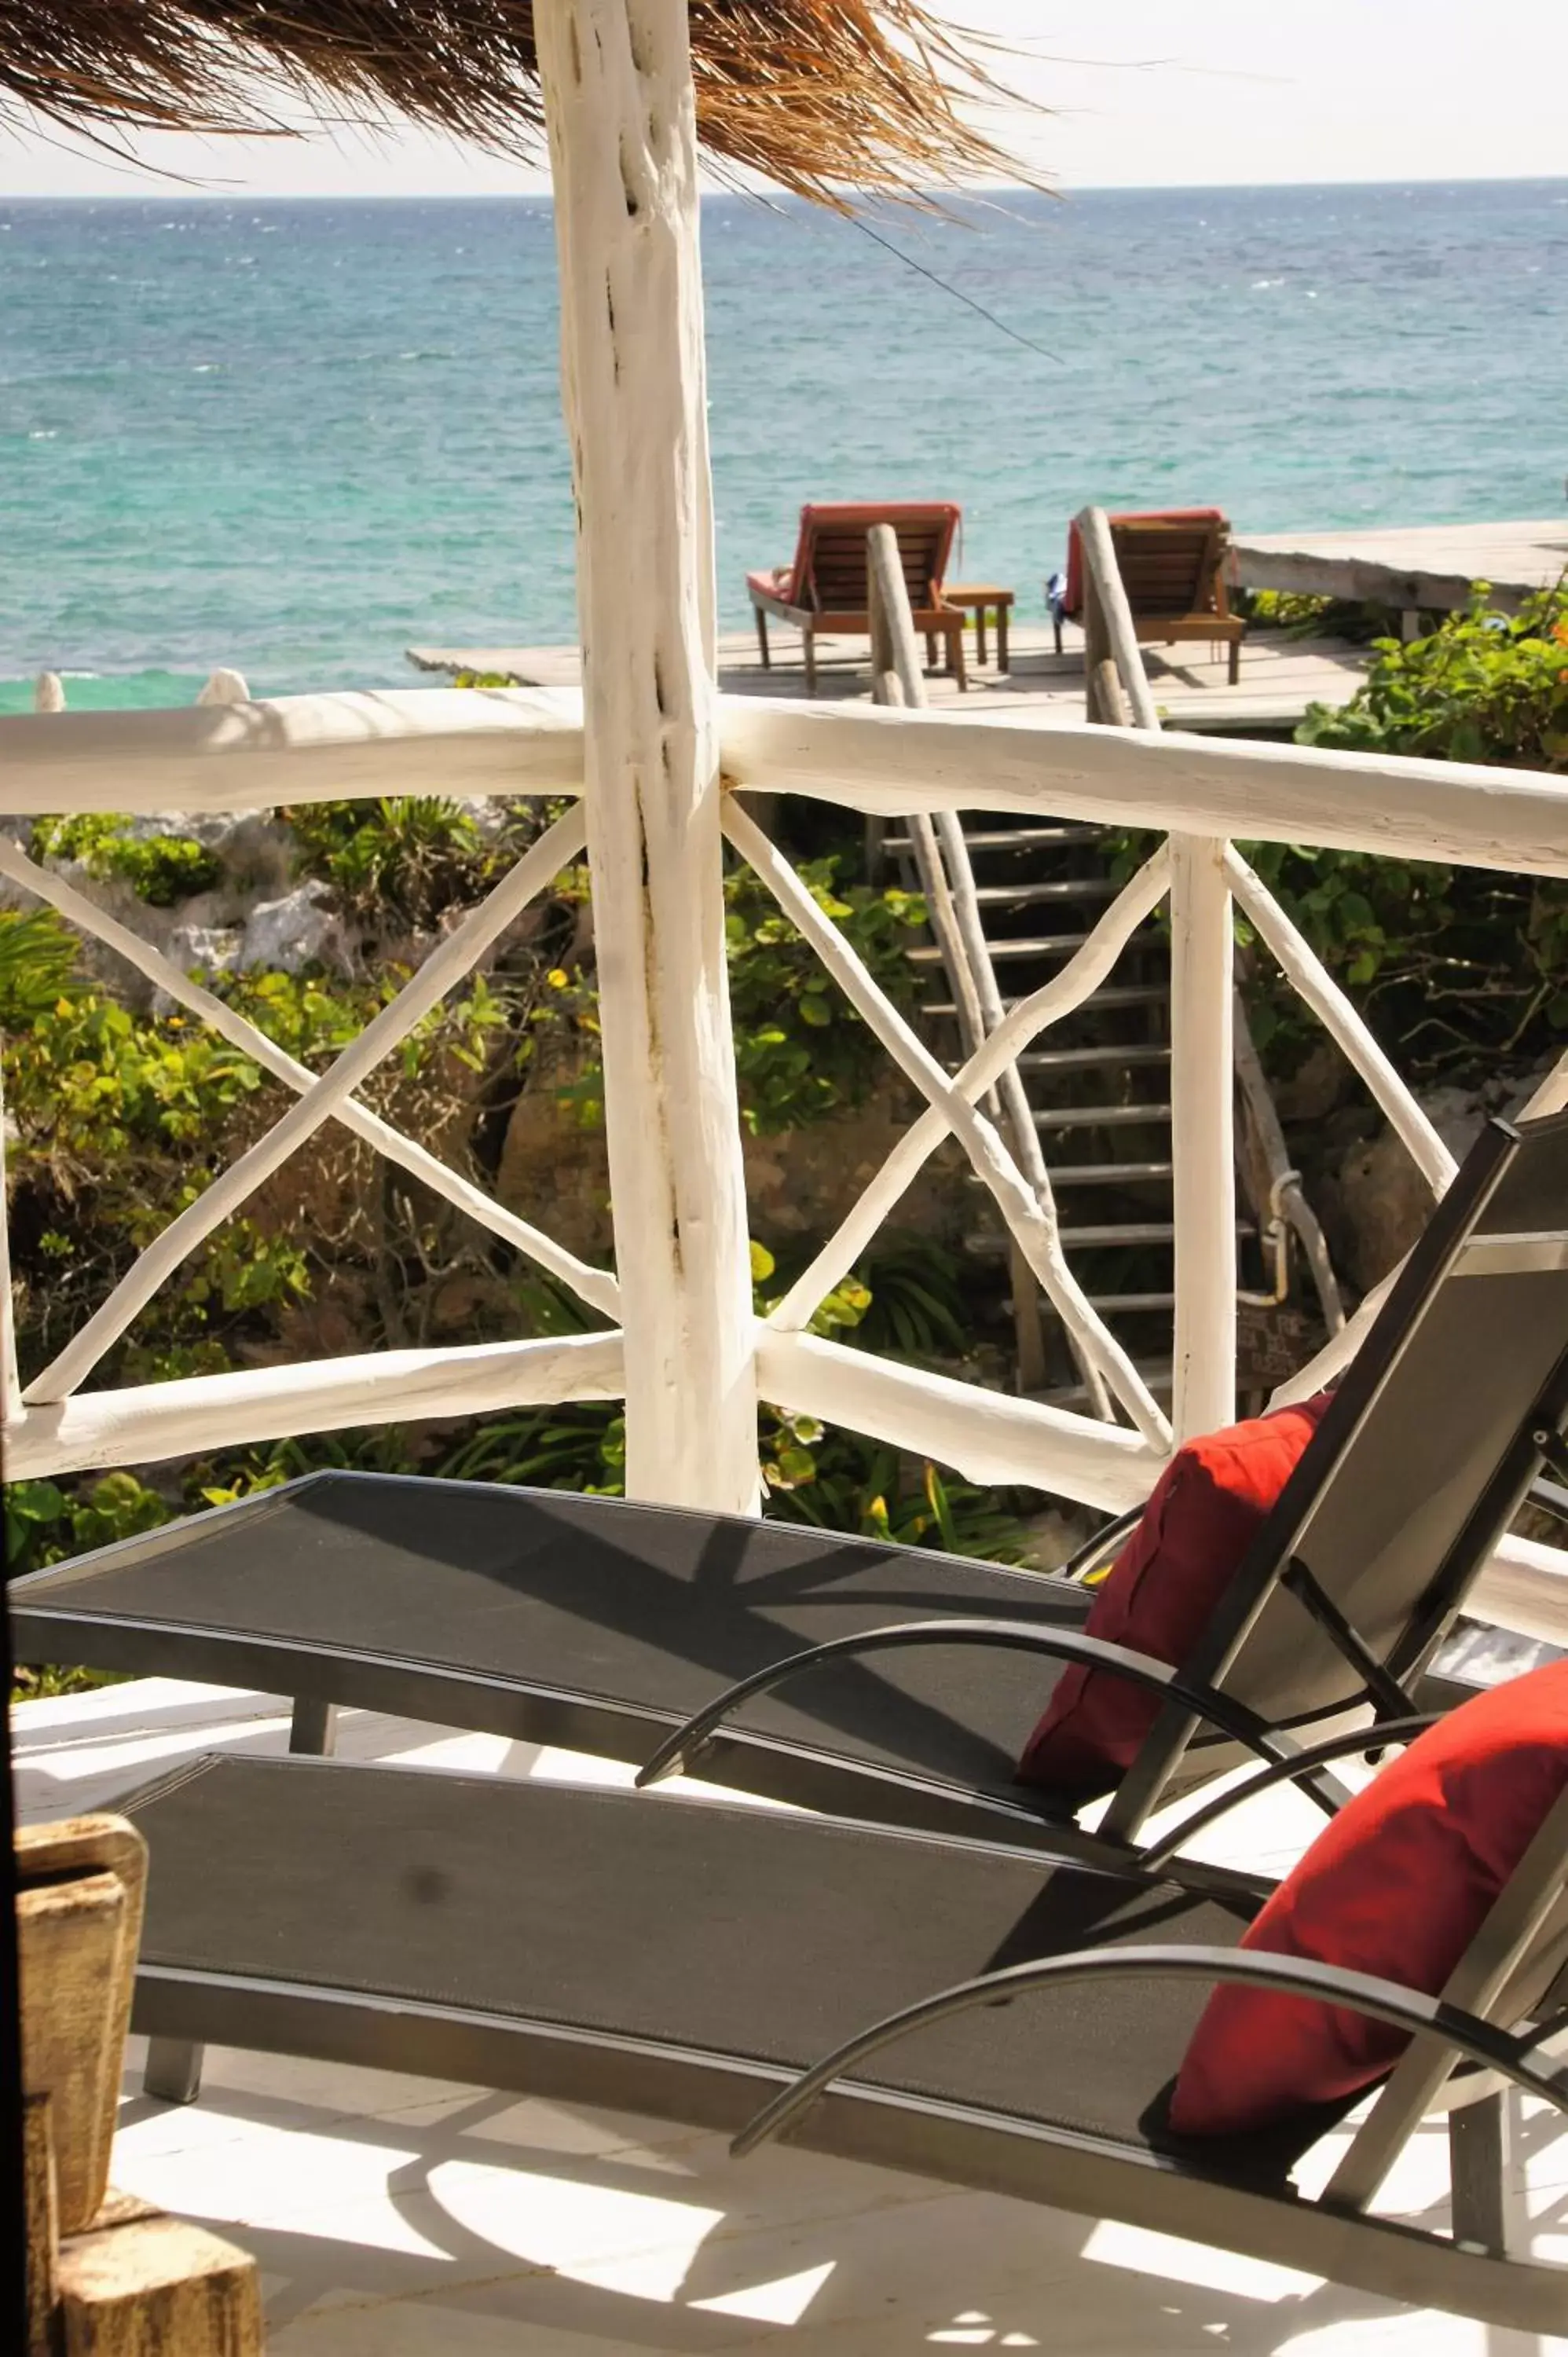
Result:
[[980, 597]]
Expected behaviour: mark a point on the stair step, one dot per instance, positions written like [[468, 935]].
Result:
[[1100, 1174], [1008, 838], [1111, 1174], [1078, 1060], [1072, 888], [1123, 1231], [1119, 1116], [1128, 994], [1040, 945]]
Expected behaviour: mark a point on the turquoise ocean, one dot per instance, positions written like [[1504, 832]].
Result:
[[296, 437]]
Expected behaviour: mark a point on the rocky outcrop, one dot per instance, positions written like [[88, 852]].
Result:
[[1375, 1203], [302, 929], [555, 1170]]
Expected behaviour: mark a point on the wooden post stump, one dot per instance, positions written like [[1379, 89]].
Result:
[[108, 2276]]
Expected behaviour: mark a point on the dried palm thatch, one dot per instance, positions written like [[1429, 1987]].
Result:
[[818, 95]]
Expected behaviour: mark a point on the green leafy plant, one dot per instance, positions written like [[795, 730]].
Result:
[[1483, 686], [37, 967], [412, 858], [800, 1050], [161, 870]]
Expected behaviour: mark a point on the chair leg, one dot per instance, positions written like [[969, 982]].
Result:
[[174, 2070], [1056, 630], [931, 652], [956, 661], [1235, 660], [1479, 2160], [173, 2073], [1002, 663], [980, 636], [762, 639], [811, 643]]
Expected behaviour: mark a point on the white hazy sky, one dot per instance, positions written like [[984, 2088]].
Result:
[[1146, 94]]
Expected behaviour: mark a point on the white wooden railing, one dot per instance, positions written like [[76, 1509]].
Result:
[[1198, 792]]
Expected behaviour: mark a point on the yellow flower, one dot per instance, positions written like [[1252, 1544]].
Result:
[[557, 979]]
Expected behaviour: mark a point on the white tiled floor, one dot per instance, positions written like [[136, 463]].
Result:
[[396, 2217]]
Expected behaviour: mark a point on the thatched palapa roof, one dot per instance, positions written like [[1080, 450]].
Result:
[[815, 94]]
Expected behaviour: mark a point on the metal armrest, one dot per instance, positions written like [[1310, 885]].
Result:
[[678, 1751], [1401, 2008], [1284, 1772], [1108, 1539]]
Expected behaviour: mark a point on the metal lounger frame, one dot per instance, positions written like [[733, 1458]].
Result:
[[825, 2109]]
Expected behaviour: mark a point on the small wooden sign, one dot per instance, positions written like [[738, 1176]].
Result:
[[1272, 1342]]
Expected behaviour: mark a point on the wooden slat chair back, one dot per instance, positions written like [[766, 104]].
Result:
[[1173, 568], [826, 591]]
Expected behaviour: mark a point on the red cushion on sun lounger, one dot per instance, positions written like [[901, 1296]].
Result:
[[1399, 1884], [1072, 602], [1166, 1581]]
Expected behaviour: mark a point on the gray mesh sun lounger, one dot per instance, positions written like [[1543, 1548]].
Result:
[[880, 1682], [688, 1959]]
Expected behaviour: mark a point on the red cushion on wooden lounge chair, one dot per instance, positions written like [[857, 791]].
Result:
[[1166, 1581], [1397, 1883], [1072, 602]]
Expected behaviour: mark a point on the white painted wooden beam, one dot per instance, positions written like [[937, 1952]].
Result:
[[10, 1384], [330, 1090], [1033, 1232], [139, 1425], [1203, 1150], [594, 1286], [988, 1436], [621, 118], [300, 749], [1071, 988], [1524, 1587], [888, 762], [1310, 978]]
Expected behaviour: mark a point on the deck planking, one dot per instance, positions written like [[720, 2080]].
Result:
[[1280, 677], [1414, 568]]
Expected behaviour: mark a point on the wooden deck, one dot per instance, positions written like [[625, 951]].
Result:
[[1416, 568], [1280, 676]]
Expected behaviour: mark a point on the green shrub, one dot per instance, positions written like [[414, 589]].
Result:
[[413, 857], [1454, 965], [161, 870], [1483, 686], [37, 967]]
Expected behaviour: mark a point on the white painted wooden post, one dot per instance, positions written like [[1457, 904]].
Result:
[[621, 117], [10, 1382], [1202, 1137]]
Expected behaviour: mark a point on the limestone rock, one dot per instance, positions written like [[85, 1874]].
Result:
[[285, 936], [1378, 1203], [1315, 1087]]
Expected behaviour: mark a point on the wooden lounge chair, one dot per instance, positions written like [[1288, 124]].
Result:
[[824, 593], [1173, 569], [689, 1960], [604, 1627]]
